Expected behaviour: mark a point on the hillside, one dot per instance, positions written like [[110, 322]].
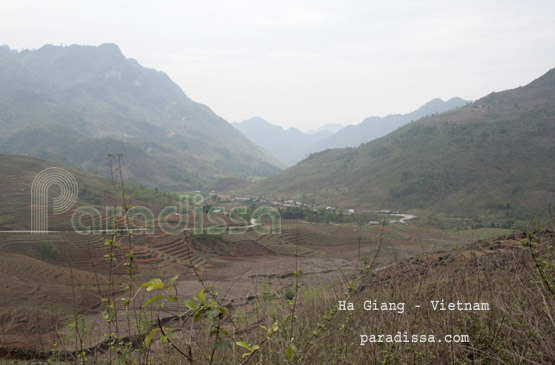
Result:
[[376, 127], [496, 155], [412, 266], [16, 179], [287, 145], [75, 104]]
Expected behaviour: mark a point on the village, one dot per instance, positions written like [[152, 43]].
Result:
[[220, 202]]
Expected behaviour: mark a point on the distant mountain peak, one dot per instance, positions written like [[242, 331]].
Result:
[[286, 145], [110, 47], [374, 127]]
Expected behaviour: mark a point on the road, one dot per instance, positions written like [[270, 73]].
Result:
[[406, 217]]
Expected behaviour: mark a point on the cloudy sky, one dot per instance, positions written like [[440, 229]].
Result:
[[307, 63]]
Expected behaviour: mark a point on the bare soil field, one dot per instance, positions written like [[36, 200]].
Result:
[[39, 294]]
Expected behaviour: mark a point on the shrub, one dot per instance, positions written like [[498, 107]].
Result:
[[47, 250]]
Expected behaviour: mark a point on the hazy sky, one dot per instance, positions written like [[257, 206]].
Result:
[[307, 63]]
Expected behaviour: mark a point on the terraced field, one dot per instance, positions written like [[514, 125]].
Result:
[[15, 210], [314, 240], [34, 280], [12, 212], [288, 243], [28, 268], [339, 234], [173, 249], [86, 252]]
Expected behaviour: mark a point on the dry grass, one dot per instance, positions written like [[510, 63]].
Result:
[[518, 328]]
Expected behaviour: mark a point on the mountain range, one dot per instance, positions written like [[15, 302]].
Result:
[[495, 155], [293, 145], [76, 104], [287, 145], [376, 127]]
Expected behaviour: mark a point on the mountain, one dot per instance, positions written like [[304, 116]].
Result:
[[287, 145], [293, 145], [375, 127], [496, 155], [76, 104]]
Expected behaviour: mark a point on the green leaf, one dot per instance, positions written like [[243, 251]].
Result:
[[198, 317], [290, 352], [172, 298], [202, 296], [154, 299], [191, 305], [153, 284], [172, 280], [243, 344], [148, 338], [213, 313]]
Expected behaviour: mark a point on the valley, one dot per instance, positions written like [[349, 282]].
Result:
[[186, 239], [78, 275]]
